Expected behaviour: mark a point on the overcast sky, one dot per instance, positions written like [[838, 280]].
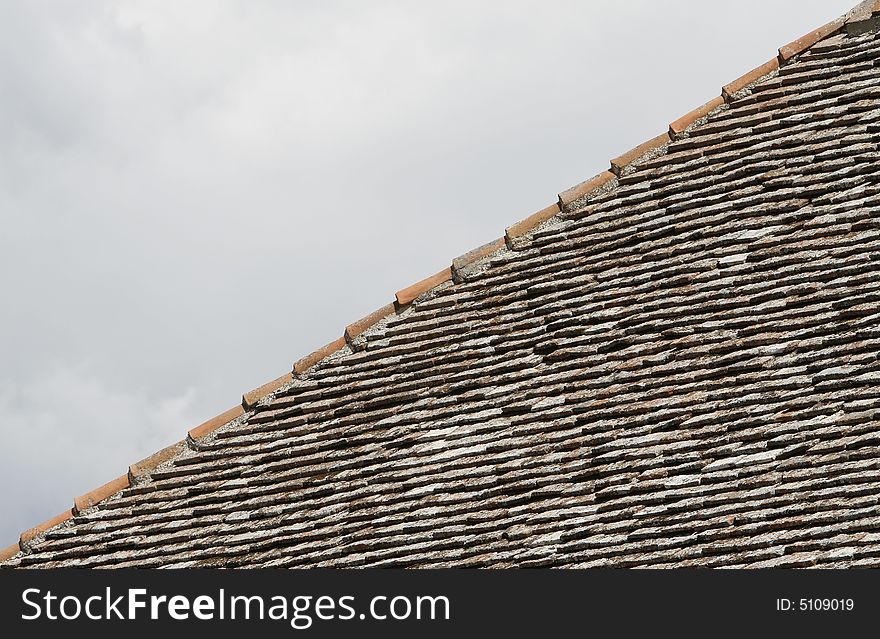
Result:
[[193, 195]]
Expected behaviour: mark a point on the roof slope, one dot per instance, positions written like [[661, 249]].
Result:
[[680, 368]]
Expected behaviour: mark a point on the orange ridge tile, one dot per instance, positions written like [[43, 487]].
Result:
[[305, 363], [803, 43], [406, 295], [622, 161], [579, 190], [147, 464], [535, 219], [9, 552], [358, 327], [30, 533], [84, 502], [215, 422], [463, 261], [249, 399], [746, 79], [688, 119]]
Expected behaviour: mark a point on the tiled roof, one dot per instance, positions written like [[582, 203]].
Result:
[[677, 364]]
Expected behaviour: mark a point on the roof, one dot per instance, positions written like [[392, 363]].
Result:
[[676, 364]]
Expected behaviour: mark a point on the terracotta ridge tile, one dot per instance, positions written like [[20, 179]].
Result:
[[622, 161], [748, 78], [406, 295], [688, 119], [249, 399], [358, 327], [305, 363], [803, 43], [535, 219], [9, 552], [148, 463], [84, 502], [579, 190], [30, 533], [463, 261], [215, 422]]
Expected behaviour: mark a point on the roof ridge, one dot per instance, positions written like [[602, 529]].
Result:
[[567, 200]]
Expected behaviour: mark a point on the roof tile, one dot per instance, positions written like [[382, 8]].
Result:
[[535, 219], [216, 422], [9, 552], [147, 464], [748, 78], [84, 502], [862, 11], [407, 295], [249, 399], [587, 186], [471, 257], [688, 119], [305, 363], [622, 161], [358, 327], [30, 533], [803, 43]]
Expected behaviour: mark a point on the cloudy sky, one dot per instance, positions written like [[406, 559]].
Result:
[[195, 194]]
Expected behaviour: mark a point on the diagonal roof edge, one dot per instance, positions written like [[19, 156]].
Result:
[[566, 200]]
